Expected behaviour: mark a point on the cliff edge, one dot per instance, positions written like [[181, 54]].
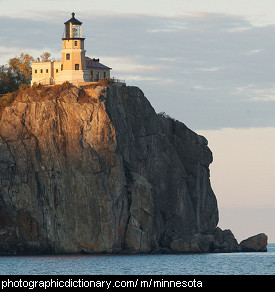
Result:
[[96, 170]]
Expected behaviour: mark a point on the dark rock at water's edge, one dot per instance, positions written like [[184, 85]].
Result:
[[219, 241], [96, 170], [254, 243]]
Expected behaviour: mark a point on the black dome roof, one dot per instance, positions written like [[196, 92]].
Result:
[[73, 20]]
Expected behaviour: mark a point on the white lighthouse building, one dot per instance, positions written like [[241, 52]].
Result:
[[74, 67]]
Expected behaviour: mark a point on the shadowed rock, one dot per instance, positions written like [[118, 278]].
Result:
[[96, 170], [255, 243]]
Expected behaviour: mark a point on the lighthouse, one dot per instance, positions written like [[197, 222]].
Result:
[[73, 64]]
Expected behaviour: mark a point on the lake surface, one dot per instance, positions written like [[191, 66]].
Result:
[[191, 264]]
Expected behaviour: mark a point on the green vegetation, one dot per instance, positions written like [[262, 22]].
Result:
[[51, 90], [16, 74], [6, 100], [165, 115], [103, 83], [39, 90]]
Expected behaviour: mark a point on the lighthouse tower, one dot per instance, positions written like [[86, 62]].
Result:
[[73, 64], [74, 67]]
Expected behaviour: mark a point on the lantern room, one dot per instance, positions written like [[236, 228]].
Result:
[[73, 28]]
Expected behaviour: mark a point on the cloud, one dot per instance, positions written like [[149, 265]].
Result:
[[258, 94], [255, 51], [207, 70], [200, 87], [239, 29]]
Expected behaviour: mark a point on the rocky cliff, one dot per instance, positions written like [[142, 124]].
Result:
[[96, 170]]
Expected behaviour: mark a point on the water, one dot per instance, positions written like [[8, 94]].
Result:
[[191, 264]]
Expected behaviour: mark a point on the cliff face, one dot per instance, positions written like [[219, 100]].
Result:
[[97, 170]]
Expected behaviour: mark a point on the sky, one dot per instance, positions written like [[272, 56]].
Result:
[[207, 63]]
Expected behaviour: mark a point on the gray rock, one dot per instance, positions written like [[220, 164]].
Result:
[[97, 170], [225, 241], [254, 243], [197, 243], [219, 241]]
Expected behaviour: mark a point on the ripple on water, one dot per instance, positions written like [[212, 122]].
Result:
[[191, 264]]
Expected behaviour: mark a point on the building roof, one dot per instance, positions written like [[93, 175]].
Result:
[[73, 20], [94, 63]]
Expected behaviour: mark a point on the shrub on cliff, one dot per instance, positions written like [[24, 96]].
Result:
[[6, 100], [17, 72]]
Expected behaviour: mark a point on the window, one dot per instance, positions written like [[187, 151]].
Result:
[[41, 71], [76, 66], [98, 76], [47, 70], [104, 75], [75, 43], [61, 67], [76, 31], [35, 71], [67, 56], [56, 70]]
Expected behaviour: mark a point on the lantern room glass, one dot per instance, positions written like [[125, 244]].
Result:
[[76, 31]]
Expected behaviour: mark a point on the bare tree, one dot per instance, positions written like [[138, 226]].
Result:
[[46, 57]]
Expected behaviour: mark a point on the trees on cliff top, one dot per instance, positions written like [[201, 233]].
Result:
[[19, 71], [16, 73]]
